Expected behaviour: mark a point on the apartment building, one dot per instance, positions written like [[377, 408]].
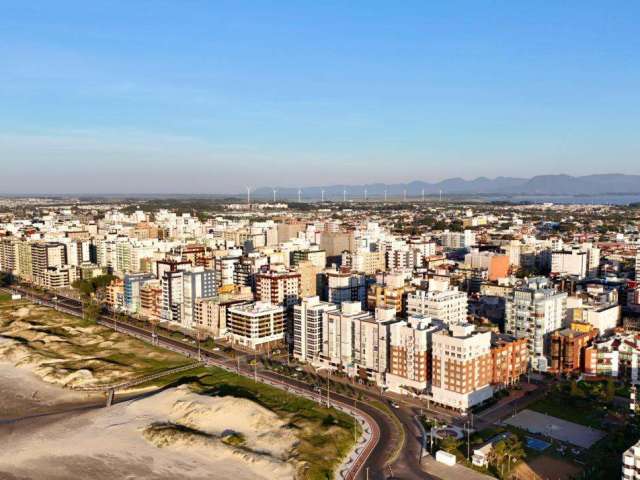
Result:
[[497, 266], [133, 284], [197, 283], [410, 354], [449, 306], [462, 370], [570, 262], [48, 263], [568, 347], [278, 287], [390, 292], [309, 278], [364, 261], [8, 254], [314, 255], [225, 267], [346, 287], [256, 325], [509, 360], [533, 311], [356, 341], [24, 261], [616, 356], [210, 314], [307, 328], [580, 261], [114, 295], [458, 240], [151, 300]]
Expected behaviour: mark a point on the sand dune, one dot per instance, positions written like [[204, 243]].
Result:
[[63, 351], [175, 434]]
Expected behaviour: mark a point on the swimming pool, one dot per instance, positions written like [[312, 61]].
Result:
[[537, 444]]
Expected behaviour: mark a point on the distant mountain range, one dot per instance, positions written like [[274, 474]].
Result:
[[539, 185]]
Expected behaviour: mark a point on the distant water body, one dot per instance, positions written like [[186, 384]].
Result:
[[569, 199]]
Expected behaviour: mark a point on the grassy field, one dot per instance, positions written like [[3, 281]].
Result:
[[326, 435], [577, 403], [5, 297]]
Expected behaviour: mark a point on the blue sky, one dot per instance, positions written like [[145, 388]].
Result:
[[209, 96]]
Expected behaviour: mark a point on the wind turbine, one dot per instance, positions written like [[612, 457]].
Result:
[[440, 195], [365, 194], [299, 195], [322, 194], [344, 195], [405, 195], [423, 194], [385, 194], [274, 195], [248, 195]]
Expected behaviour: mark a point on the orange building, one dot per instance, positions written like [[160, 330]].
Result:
[[151, 301], [568, 348], [498, 267], [509, 359]]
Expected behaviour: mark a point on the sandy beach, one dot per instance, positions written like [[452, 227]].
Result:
[[176, 433]]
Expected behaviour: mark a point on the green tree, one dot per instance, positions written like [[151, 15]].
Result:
[[610, 390], [6, 279], [91, 311], [575, 391], [498, 455]]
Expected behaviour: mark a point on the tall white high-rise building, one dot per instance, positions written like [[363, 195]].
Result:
[[307, 327], [533, 311], [449, 306], [357, 341]]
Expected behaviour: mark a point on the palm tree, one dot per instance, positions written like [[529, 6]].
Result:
[[514, 449], [498, 453]]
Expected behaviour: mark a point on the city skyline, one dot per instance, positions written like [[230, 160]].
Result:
[[114, 98]]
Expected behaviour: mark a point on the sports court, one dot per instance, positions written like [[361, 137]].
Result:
[[540, 423]]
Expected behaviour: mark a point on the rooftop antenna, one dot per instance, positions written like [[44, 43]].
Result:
[[299, 195], [322, 194], [274, 195], [248, 195]]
